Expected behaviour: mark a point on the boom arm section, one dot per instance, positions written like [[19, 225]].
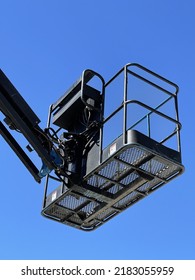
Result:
[[20, 117]]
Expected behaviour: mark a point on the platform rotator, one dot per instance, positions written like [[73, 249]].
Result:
[[89, 178]]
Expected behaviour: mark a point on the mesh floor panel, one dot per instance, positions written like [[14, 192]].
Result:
[[125, 178]]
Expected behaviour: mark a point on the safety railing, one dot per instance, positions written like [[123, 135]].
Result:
[[132, 69]]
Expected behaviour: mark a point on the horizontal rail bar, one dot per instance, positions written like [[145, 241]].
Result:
[[153, 74], [151, 83], [147, 115], [114, 77], [154, 111]]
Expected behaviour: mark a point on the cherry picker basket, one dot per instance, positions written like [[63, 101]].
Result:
[[111, 136]]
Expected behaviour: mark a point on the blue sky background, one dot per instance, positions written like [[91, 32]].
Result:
[[44, 47]]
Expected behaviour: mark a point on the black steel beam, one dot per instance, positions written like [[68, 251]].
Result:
[[19, 152], [28, 132]]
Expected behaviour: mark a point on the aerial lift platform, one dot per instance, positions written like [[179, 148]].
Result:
[[98, 162]]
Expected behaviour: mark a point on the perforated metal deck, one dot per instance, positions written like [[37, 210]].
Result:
[[129, 173]]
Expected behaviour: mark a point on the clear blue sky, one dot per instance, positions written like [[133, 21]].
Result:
[[44, 47]]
